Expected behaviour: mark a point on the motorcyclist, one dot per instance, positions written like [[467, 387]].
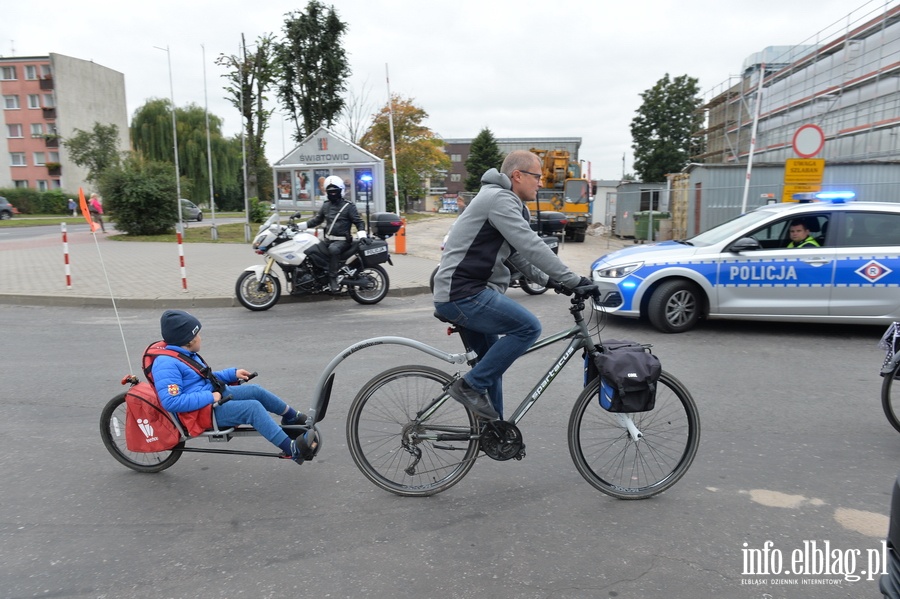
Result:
[[338, 215]]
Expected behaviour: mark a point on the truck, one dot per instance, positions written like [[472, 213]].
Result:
[[563, 190]]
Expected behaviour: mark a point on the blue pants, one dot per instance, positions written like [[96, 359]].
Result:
[[251, 404], [482, 319]]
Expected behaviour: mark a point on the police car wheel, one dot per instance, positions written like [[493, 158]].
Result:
[[675, 306]]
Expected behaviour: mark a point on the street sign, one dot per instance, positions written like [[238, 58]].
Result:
[[808, 141], [804, 170], [802, 175]]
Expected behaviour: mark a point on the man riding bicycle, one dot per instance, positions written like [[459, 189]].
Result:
[[471, 281]]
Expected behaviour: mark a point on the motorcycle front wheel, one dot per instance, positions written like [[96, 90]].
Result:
[[255, 294], [377, 287]]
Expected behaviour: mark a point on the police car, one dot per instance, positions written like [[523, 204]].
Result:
[[744, 268]]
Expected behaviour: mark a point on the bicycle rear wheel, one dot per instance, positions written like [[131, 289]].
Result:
[[398, 451], [608, 458], [890, 397], [112, 431]]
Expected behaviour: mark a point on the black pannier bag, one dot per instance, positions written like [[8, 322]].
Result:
[[628, 376]]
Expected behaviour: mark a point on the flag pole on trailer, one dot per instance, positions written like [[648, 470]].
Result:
[[94, 226]]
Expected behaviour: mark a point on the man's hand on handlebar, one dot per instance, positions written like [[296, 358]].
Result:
[[585, 287]]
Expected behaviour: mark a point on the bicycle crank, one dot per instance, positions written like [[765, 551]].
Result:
[[501, 441]]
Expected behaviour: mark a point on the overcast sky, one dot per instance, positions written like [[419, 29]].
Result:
[[521, 68]]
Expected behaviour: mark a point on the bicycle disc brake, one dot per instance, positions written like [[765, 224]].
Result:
[[501, 441]]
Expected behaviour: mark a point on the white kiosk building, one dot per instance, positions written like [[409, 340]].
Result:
[[300, 175]]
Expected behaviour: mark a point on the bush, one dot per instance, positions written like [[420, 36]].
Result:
[[258, 211], [32, 201], [141, 196]]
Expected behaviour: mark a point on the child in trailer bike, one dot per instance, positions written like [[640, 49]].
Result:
[[193, 395]]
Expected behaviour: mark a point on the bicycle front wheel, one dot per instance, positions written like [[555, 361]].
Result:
[[612, 462], [890, 397], [112, 431], [402, 452]]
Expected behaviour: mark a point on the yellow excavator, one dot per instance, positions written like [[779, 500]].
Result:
[[563, 190]]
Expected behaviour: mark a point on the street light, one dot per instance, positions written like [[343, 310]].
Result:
[[174, 137]]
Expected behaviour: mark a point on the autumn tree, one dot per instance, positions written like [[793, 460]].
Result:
[[484, 154], [250, 77], [314, 68], [96, 150], [419, 150], [151, 136], [662, 133]]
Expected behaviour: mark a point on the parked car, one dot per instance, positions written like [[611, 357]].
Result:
[[6, 209], [743, 269], [190, 211]]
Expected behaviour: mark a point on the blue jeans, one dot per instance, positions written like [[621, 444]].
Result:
[[482, 319], [251, 404]]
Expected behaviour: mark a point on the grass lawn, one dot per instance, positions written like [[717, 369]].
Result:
[[193, 232]]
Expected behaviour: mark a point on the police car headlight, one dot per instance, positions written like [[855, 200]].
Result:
[[617, 272]]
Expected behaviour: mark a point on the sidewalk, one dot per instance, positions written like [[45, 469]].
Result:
[[148, 275]]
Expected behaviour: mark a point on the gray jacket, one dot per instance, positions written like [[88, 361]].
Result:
[[494, 228]]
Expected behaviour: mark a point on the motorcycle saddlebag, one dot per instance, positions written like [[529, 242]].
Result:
[[373, 251]]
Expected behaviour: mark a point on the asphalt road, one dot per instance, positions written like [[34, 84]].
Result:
[[794, 451]]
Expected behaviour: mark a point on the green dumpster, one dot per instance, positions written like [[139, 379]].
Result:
[[642, 223]]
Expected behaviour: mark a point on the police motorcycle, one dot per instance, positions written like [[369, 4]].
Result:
[[303, 258]]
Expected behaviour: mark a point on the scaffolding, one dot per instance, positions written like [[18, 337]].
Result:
[[845, 79]]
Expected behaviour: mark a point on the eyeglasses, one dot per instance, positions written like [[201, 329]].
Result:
[[537, 176]]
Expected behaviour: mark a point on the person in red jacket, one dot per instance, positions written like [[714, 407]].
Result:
[[182, 389]]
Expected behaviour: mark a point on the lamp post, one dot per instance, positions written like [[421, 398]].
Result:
[[174, 138], [366, 180], [213, 231]]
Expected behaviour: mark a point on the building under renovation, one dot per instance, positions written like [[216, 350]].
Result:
[[843, 82]]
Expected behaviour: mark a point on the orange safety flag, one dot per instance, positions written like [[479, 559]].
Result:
[[85, 211]]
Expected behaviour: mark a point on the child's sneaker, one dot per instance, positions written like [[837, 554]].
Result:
[[305, 447], [300, 418]]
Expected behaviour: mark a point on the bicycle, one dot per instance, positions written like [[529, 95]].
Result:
[[408, 436], [890, 371]]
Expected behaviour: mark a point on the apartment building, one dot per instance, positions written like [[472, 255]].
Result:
[[45, 99]]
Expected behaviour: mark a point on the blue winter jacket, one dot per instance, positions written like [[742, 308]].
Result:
[[180, 387]]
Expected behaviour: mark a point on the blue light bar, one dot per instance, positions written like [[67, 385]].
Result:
[[836, 197]]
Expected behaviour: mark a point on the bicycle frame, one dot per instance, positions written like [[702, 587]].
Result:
[[578, 334]]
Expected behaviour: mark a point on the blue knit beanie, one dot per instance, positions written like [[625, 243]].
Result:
[[178, 327]]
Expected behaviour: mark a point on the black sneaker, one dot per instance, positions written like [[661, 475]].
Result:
[[305, 447], [472, 399], [300, 418]]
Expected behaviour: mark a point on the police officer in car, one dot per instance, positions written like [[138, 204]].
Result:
[[800, 237], [338, 215]]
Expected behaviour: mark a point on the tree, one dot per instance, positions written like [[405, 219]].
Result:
[[250, 78], [483, 155], [97, 150], [662, 132], [356, 116], [141, 195], [314, 68], [419, 150], [151, 136]]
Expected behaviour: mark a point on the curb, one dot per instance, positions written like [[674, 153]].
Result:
[[79, 301]]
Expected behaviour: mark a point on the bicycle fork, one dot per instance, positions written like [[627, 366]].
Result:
[[627, 423]]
